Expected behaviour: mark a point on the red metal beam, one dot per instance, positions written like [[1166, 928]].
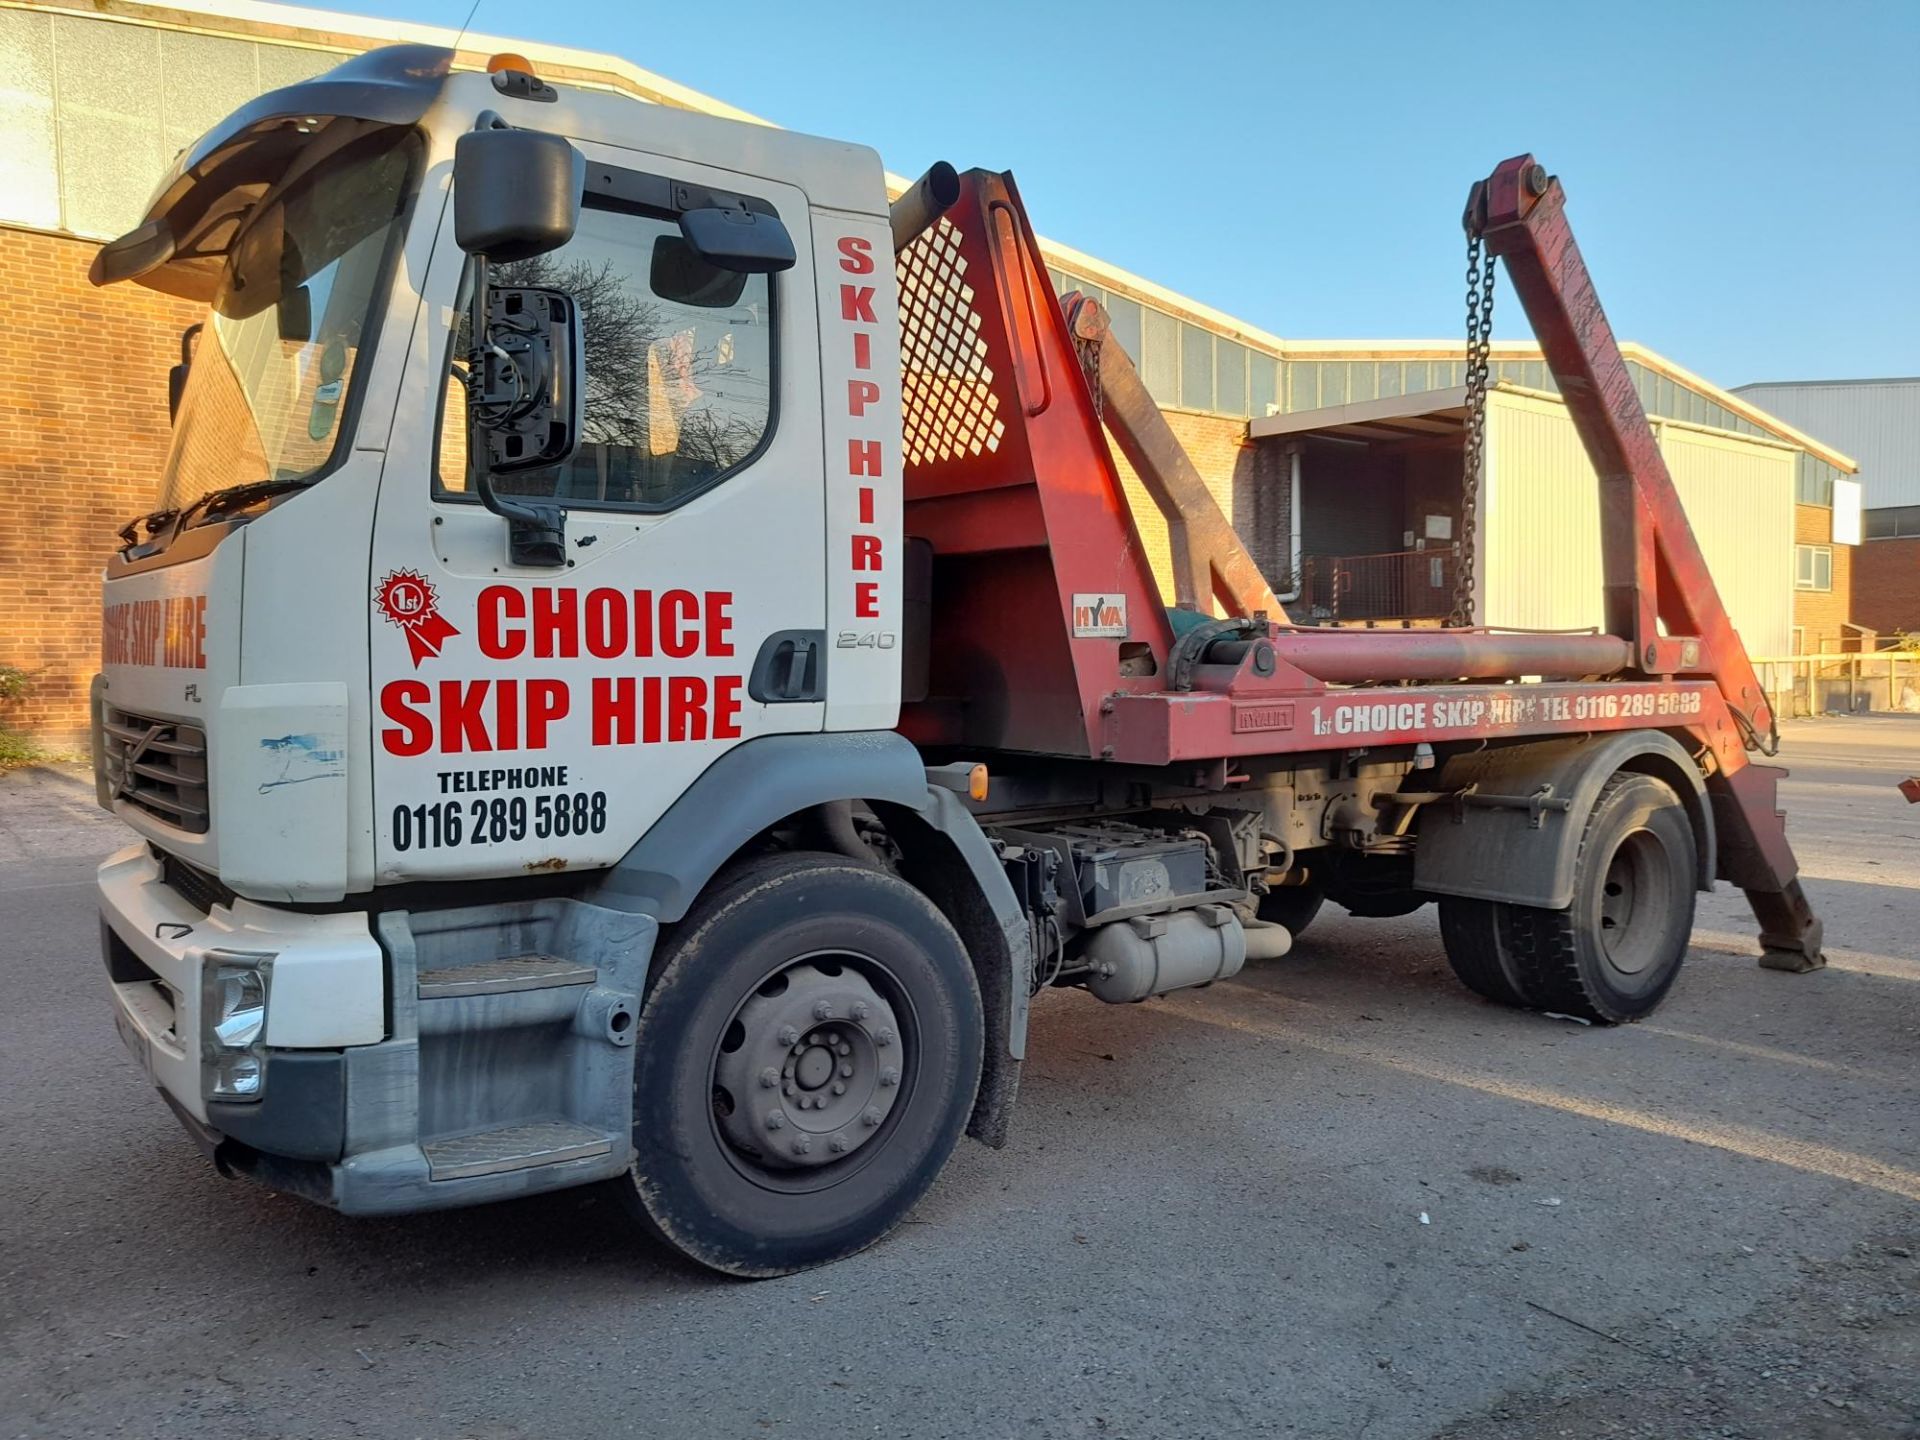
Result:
[[1655, 576], [1653, 570]]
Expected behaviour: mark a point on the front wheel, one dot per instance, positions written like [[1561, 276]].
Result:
[[804, 1064], [1614, 953]]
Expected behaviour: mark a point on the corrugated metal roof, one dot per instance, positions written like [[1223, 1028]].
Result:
[[1738, 409], [1878, 421]]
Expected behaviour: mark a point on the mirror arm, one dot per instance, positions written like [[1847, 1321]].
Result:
[[536, 529], [177, 375]]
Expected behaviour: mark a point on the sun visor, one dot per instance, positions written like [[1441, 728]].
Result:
[[203, 202]]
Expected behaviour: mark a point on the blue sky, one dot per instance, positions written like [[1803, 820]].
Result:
[[1744, 178]]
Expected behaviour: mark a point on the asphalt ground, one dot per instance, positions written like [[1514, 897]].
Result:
[[1338, 1196]]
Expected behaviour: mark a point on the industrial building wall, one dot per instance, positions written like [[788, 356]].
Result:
[[1877, 422], [1226, 460], [1540, 522], [1820, 617], [82, 454], [1886, 585]]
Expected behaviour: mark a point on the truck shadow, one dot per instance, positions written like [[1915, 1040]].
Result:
[[1373, 1002]]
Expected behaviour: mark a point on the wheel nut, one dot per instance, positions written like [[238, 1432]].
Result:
[[871, 1118], [861, 1010], [889, 1077], [789, 1036], [769, 1078], [801, 1145], [838, 1144], [883, 1038], [843, 1048], [823, 1009], [846, 1070], [839, 1087], [775, 1120]]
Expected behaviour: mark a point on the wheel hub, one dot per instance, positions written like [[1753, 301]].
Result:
[[816, 1069], [1621, 894]]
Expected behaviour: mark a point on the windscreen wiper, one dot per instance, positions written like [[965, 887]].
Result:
[[219, 502]]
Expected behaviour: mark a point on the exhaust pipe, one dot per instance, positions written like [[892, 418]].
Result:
[[924, 202]]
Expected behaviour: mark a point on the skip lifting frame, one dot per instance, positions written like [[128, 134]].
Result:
[[1034, 517]]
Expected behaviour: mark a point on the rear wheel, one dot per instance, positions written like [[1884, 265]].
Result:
[[805, 1062], [1614, 953], [1475, 941]]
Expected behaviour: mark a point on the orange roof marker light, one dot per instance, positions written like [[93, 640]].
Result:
[[507, 60]]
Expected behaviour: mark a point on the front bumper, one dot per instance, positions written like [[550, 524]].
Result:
[[389, 1085]]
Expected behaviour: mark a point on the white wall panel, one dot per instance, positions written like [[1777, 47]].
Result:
[[1540, 542]]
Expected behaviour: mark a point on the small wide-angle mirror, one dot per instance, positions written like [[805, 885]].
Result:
[[516, 193], [679, 273], [743, 240]]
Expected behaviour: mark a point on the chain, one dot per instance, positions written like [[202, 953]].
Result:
[[1089, 351], [1479, 343]]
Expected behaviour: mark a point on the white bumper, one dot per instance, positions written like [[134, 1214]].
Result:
[[327, 989]]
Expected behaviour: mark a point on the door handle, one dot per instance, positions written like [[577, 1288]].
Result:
[[791, 668]]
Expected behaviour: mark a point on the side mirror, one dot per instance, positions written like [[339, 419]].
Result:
[[750, 242], [516, 193], [526, 384]]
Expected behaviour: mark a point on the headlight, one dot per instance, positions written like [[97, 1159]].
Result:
[[238, 1077], [233, 1020], [240, 1006]]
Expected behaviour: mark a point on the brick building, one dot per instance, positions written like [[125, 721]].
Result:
[[102, 93], [1877, 420]]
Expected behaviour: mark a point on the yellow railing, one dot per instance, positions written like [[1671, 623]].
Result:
[[1849, 683]]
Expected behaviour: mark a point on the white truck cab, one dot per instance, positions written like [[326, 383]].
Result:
[[366, 737]]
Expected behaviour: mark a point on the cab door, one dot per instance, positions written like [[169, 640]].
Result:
[[531, 719]]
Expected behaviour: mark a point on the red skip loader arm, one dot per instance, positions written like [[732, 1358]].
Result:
[[1654, 572]]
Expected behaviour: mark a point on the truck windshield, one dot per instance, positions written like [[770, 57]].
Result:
[[274, 372]]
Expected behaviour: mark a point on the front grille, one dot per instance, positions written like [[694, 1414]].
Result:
[[158, 765], [192, 884]]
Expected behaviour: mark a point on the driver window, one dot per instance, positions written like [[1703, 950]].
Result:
[[679, 361]]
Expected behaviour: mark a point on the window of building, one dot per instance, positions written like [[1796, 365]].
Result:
[[680, 386], [1230, 377], [1160, 357], [1813, 567], [1891, 522], [1263, 383], [1181, 364], [1124, 315], [1813, 480], [1196, 368]]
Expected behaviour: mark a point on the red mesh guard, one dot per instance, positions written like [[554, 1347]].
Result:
[[946, 379]]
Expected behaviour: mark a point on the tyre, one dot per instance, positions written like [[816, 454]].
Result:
[[806, 1059], [1293, 906], [1614, 953], [1476, 948]]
